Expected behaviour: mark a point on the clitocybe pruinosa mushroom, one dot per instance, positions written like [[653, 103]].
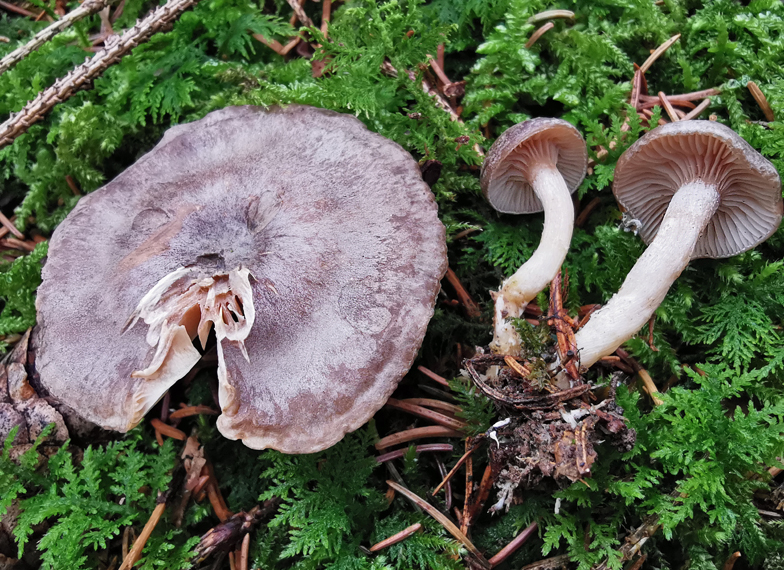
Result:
[[531, 167], [698, 190], [310, 244]]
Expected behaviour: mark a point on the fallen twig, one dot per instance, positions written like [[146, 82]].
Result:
[[87, 8], [79, 77], [299, 11]]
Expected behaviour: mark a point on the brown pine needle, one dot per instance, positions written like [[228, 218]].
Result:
[[433, 376], [445, 522], [455, 468], [693, 96], [138, 545], [9, 225], [550, 15], [650, 387], [512, 547], [697, 111], [728, 565], [470, 306], [16, 9], [398, 453], [193, 411], [761, 100], [424, 413], [434, 404], [538, 34], [395, 538], [168, 430], [658, 52], [326, 14], [244, 552], [414, 434], [72, 185], [586, 212], [668, 107]]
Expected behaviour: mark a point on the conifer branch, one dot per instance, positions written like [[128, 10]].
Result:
[[87, 8], [115, 48]]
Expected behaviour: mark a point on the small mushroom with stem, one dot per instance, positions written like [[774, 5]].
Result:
[[309, 244], [698, 190], [533, 166]]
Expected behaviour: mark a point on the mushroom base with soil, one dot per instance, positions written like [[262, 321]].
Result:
[[689, 212]]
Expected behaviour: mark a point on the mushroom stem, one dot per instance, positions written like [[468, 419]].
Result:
[[689, 212], [534, 275]]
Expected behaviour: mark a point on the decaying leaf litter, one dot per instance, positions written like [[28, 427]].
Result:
[[622, 361]]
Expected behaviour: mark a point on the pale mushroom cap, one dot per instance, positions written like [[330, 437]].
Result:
[[656, 166], [504, 173], [344, 248]]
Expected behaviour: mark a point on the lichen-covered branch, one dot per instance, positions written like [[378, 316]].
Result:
[[115, 48], [89, 7]]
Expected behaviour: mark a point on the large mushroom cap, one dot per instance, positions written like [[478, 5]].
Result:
[[312, 243], [504, 178], [656, 166]]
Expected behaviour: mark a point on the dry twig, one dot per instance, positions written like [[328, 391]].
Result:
[[81, 76], [397, 454], [87, 8]]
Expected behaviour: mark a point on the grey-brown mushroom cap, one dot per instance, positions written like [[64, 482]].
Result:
[[341, 237], [650, 172], [503, 179]]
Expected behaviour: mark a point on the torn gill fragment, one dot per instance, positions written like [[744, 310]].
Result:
[[297, 234], [181, 307]]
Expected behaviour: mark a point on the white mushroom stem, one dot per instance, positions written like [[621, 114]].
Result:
[[535, 274], [689, 212]]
